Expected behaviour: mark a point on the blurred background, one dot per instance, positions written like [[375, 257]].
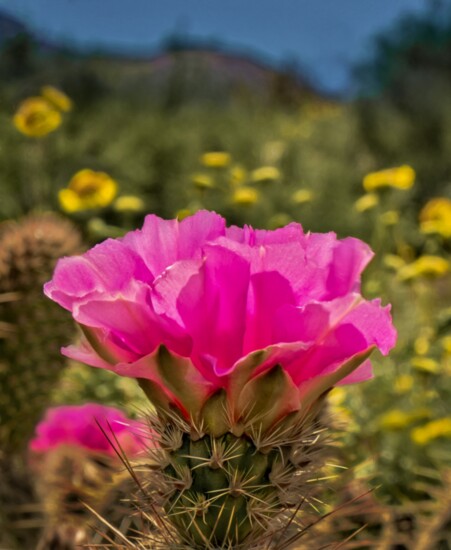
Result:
[[333, 114]]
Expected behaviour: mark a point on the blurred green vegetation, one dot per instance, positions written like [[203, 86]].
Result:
[[151, 141]]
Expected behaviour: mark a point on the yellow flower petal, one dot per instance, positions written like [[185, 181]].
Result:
[[402, 177], [57, 98], [302, 196], [216, 159], [69, 200], [421, 345], [395, 420], [433, 266], [425, 364], [202, 181], [36, 117], [92, 190], [245, 196], [435, 217], [183, 213], [403, 383], [432, 430], [279, 220], [393, 261], [129, 203], [265, 174], [446, 344], [366, 202]]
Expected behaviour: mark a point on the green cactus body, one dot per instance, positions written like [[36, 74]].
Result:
[[234, 490], [32, 328]]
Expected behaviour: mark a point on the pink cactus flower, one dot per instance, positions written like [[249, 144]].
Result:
[[78, 425], [194, 307]]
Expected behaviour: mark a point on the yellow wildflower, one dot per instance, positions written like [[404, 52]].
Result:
[[391, 217], [279, 220], [129, 203], [403, 383], [57, 98], [215, 159], [36, 117], [435, 217], [202, 181], [434, 266], [393, 261], [237, 175], [302, 196], [401, 177], [446, 344], [395, 420], [366, 202], [245, 196], [87, 189], [265, 174], [183, 213], [422, 344], [425, 364], [337, 396], [432, 430]]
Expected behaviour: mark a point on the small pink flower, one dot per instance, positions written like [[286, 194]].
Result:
[[223, 305], [82, 425]]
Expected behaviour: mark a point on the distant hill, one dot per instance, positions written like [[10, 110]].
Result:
[[201, 73], [10, 28], [191, 70]]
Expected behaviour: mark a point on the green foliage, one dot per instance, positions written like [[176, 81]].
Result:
[[152, 142], [407, 85]]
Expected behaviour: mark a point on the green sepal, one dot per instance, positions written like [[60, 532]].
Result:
[[214, 414], [267, 398], [101, 350], [155, 395], [180, 377], [312, 389]]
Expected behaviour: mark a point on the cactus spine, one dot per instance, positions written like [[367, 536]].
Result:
[[32, 329], [238, 489]]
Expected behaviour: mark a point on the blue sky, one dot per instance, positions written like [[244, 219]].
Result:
[[326, 36]]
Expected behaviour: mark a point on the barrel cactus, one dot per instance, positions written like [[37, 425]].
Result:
[[32, 329], [236, 336]]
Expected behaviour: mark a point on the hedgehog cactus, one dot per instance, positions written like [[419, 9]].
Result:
[[235, 335], [31, 327], [76, 466]]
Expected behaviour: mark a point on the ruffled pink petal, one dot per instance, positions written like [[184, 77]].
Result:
[[318, 338], [267, 291], [346, 326], [108, 267], [163, 242], [350, 257], [212, 306], [79, 425], [105, 354], [132, 323], [257, 237], [361, 374]]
